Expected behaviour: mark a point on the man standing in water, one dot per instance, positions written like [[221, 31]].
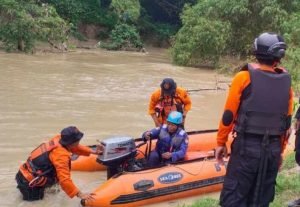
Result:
[[168, 98], [49, 164], [258, 109]]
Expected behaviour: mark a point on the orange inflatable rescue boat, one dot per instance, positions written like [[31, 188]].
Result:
[[131, 183], [203, 140]]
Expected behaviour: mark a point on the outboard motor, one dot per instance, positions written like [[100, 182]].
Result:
[[117, 152]]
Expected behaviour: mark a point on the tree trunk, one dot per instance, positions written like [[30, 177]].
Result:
[[21, 45]]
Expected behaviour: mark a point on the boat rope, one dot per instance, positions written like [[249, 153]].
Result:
[[194, 174], [205, 160]]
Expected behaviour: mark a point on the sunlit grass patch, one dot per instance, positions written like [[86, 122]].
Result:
[[205, 202]]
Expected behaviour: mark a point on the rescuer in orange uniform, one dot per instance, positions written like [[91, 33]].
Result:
[[258, 110], [168, 98], [50, 163]]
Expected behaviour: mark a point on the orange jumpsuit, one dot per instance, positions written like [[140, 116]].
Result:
[[181, 97], [60, 158]]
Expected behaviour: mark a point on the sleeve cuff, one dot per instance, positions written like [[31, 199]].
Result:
[[74, 193]]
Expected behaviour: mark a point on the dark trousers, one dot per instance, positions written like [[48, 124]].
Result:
[[29, 193], [240, 182], [154, 159]]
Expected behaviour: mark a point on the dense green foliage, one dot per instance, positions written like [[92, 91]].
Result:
[[157, 20], [206, 41], [199, 31], [86, 12], [165, 11], [212, 29], [25, 22], [292, 64], [243, 19], [123, 36], [291, 30], [128, 11]]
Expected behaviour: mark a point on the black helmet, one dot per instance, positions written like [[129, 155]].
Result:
[[168, 86], [70, 135], [269, 46]]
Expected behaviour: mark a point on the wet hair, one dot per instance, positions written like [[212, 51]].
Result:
[[172, 87]]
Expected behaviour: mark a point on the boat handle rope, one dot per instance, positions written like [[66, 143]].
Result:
[[194, 174]]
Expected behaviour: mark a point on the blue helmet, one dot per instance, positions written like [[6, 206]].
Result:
[[175, 117]]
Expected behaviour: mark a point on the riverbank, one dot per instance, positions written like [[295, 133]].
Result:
[[287, 186]]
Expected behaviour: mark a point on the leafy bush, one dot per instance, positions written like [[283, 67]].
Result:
[[291, 30], [25, 22], [292, 64], [90, 12], [125, 37], [245, 20], [166, 11], [128, 11], [71, 11], [291, 33], [155, 31], [199, 40]]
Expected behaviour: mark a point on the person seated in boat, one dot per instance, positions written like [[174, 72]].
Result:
[[49, 164], [172, 141], [168, 98]]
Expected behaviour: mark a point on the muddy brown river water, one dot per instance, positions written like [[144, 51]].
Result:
[[102, 93]]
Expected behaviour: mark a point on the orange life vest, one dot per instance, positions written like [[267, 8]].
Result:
[[168, 104], [38, 169]]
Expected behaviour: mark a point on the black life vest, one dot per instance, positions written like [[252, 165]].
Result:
[[265, 109]]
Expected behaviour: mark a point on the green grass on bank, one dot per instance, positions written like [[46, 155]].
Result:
[[287, 187], [205, 202]]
